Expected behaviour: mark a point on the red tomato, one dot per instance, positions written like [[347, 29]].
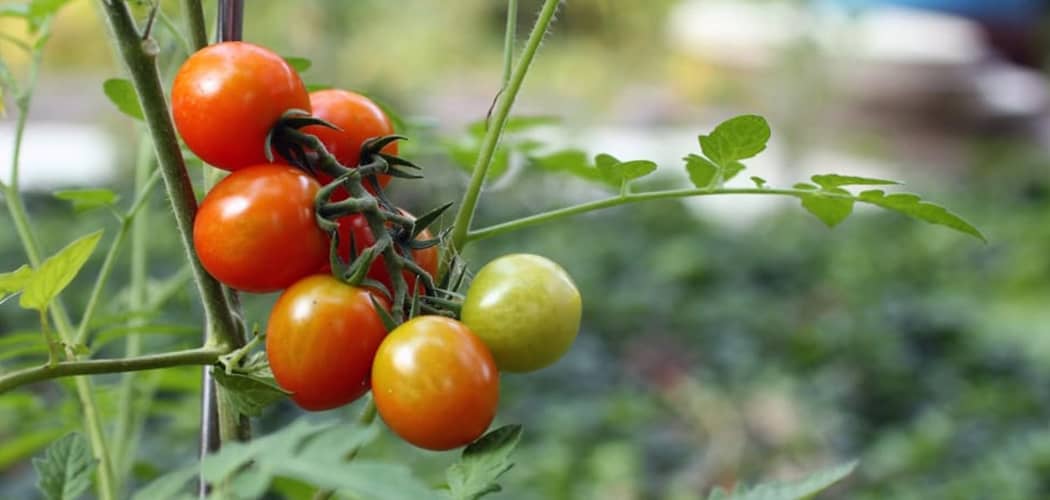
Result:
[[321, 339], [435, 383], [357, 225], [359, 118], [227, 97], [255, 231]]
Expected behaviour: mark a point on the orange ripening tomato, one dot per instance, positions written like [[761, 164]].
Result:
[[359, 118], [435, 384], [255, 231], [321, 339], [356, 225], [226, 98]]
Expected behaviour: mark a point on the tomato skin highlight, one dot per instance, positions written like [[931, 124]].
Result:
[[359, 118], [435, 383], [356, 225], [321, 338], [226, 97], [525, 308], [255, 231]]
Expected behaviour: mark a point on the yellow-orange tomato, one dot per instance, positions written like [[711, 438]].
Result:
[[435, 383]]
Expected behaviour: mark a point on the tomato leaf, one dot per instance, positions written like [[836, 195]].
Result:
[[618, 172], [88, 199], [760, 183], [250, 394], [55, 273], [122, 94], [736, 139], [299, 64], [514, 124], [701, 171], [64, 472], [482, 463], [830, 210], [358, 479], [789, 490], [913, 206], [13, 282]]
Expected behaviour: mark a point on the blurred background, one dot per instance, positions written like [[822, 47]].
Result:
[[724, 340]]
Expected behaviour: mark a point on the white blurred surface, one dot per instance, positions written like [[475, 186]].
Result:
[[59, 155]]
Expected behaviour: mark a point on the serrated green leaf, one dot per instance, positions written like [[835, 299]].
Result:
[[299, 64], [13, 282], [759, 182], [169, 485], [87, 199], [250, 482], [736, 139], [731, 170], [913, 206], [55, 273], [249, 395], [702, 172], [64, 472], [122, 94], [835, 180], [617, 172], [789, 490], [829, 210], [333, 444], [482, 463], [279, 446]]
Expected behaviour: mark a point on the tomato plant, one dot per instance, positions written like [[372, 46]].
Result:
[[320, 340], [358, 119], [256, 230], [525, 308], [268, 226], [435, 383], [227, 97]]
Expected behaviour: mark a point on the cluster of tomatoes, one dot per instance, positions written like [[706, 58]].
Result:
[[278, 222]]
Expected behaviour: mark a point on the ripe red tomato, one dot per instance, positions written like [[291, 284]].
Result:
[[435, 383], [255, 231], [321, 339], [359, 118], [227, 97], [357, 225]]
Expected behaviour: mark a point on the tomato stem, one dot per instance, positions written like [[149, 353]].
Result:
[[590, 206], [467, 206]]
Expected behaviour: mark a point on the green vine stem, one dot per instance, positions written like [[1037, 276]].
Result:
[[465, 215], [198, 356], [194, 12], [509, 36], [629, 198], [140, 58]]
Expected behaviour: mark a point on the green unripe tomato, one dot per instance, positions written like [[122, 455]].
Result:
[[525, 308]]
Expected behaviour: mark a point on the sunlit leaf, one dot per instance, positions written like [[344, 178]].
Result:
[[55, 273], [249, 395], [13, 282], [122, 94], [830, 210], [912, 205], [835, 180], [87, 199], [736, 139], [701, 171]]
